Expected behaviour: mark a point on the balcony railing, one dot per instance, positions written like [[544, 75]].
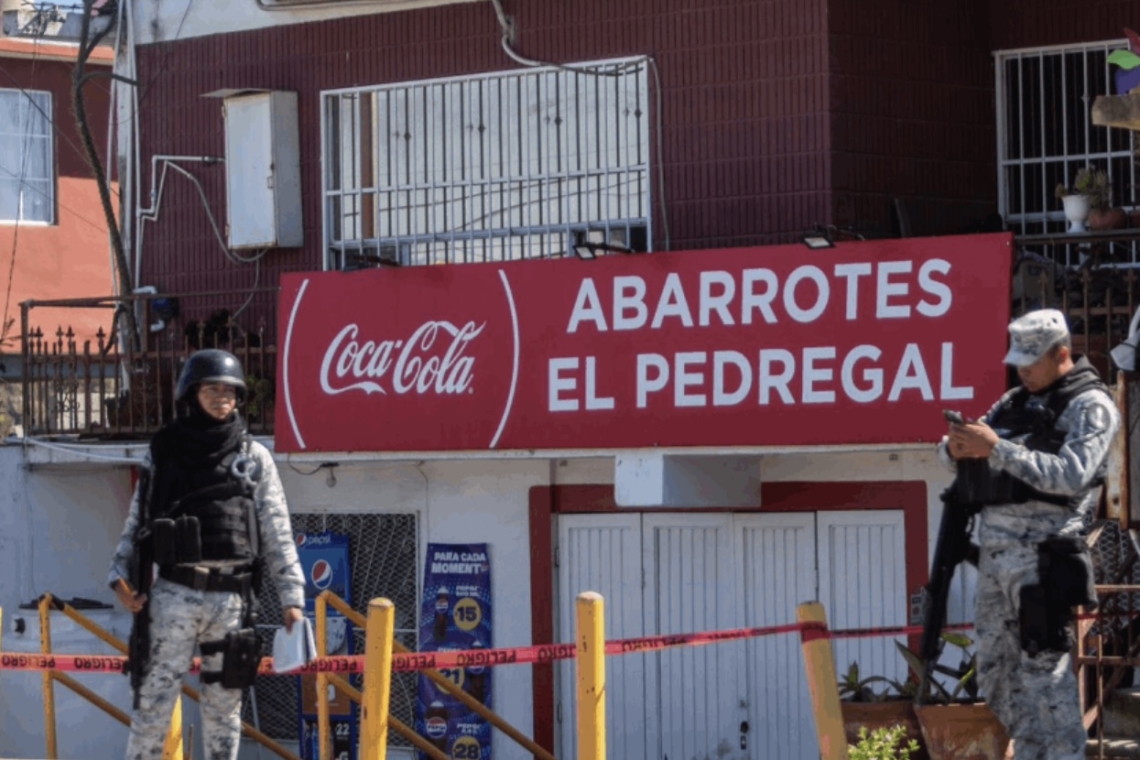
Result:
[[113, 386]]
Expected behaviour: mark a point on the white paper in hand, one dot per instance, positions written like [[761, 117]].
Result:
[[293, 649]]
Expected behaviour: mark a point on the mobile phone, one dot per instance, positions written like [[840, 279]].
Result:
[[955, 417]]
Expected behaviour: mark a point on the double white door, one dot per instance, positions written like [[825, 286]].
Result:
[[664, 573]]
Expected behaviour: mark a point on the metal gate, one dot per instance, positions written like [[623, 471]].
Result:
[[685, 572]]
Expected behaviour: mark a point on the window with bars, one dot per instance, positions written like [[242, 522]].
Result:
[[1045, 132], [27, 171], [487, 168]]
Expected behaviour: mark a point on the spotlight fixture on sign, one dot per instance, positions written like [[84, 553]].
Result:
[[821, 236], [590, 244], [817, 239], [589, 251]]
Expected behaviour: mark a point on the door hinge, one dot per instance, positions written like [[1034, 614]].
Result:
[[558, 712], [556, 556]]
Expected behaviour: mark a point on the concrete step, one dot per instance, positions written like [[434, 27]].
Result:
[[1117, 749]]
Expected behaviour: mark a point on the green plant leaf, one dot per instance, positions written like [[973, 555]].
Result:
[[960, 640], [1125, 59]]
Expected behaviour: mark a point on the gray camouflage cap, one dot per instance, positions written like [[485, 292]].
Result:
[[1032, 335]]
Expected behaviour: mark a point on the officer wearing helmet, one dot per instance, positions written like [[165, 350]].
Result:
[[209, 511]]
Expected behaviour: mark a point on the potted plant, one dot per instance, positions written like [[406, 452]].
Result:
[[1089, 190], [866, 709], [887, 743], [951, 720]]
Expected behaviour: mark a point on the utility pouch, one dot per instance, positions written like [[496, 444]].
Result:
[[241, 656], [1045, 623], [1064, 565], [189, 536], [164, 536]]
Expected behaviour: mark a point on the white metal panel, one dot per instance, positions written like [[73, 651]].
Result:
[[777, 554], [694, 707], [862, 584], [603, 553], [250, 204]]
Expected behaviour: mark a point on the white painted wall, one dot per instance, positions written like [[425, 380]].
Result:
[[179, 19], [58, 525]]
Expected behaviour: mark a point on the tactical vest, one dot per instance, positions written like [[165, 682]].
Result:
[[1035, 427], [222, 500]]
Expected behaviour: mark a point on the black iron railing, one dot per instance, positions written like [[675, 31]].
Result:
[[120, 382]]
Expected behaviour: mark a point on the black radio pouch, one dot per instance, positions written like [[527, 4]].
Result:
[[1064, 565], [177, 541], [241, 657], [1045, 625]]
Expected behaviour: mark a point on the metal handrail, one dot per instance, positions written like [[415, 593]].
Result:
[[46, 604], [437, 677]]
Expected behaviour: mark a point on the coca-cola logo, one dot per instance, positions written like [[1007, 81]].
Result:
[[431, 360]]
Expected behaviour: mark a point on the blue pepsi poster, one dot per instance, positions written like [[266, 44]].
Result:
[[325, 561], [455, 614]]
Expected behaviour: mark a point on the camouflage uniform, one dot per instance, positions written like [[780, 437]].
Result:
[[182, 617], [1035, 697]]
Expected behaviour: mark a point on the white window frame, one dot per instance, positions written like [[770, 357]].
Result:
[[553, 200], [1045, 134], [31, 103]]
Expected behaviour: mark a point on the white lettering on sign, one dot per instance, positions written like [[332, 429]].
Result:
[[561, 383], [758, 295], [431, 360], [820, 373]]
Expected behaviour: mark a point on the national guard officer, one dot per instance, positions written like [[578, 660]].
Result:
[[210, 512], [1046, 445]]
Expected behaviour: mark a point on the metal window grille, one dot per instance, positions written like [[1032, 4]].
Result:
[[486, 168], [27, 171], [384, 555], [1045, 135]]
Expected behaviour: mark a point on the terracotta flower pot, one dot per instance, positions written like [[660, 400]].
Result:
[[962, 732], [873, 715], [1107, 219]]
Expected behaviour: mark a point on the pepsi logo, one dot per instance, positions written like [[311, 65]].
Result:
[[436, 727], [322, 574], [301, 539]]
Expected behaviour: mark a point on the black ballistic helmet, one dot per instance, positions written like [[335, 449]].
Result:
[[210, 365]]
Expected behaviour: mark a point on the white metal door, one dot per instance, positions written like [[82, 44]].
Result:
[[862, 584], [693, 704], [603, 553], [777, 556]]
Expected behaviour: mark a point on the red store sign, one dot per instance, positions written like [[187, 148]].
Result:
[[774, 346]]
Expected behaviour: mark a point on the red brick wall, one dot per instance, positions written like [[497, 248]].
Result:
[[913, 117], [745, 112]]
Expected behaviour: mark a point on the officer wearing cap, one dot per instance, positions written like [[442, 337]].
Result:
[[209, 512], [1042, 450]]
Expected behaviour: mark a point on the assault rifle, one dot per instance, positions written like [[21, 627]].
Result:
[[142, 564], [958, 510]]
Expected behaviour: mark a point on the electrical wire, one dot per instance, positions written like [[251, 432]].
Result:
[[87, 220], [80, 451], [314, 471], [607, 70]]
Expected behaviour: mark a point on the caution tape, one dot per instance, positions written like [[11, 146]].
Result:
[[444, 660]]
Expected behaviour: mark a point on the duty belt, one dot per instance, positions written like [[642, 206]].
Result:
[[208, 578]]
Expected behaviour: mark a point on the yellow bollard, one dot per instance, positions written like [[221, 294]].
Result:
[[591, 677], [376, 700], [324, 735], [172, 747], [49, 688], [822, 683]]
